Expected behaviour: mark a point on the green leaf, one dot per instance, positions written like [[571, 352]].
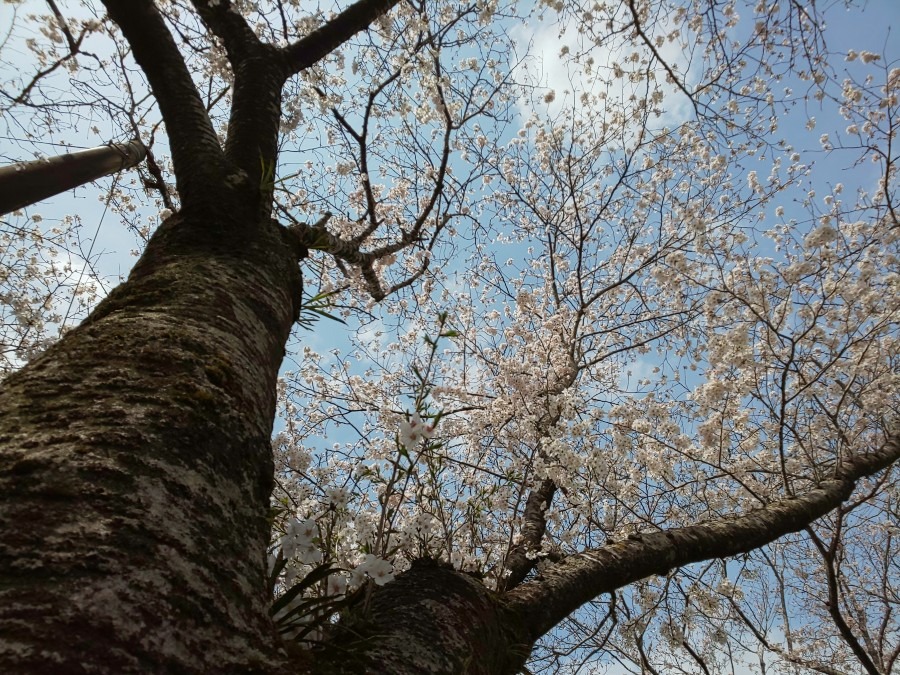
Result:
[[296, 614], [316, 575], [325, 314], [280, 564], [317, 306]]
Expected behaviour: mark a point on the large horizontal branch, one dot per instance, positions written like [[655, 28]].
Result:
[[581, 577], [196, 153], [331, 35]]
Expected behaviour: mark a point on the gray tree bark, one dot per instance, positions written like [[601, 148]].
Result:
[[135, 465]]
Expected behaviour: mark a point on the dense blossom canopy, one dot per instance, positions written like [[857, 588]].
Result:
[[601, 269]]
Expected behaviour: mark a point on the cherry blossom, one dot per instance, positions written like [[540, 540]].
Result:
[[579, 302], [413, 431]]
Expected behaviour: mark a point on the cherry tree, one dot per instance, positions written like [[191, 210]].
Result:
[[637, 243], [615, 390]]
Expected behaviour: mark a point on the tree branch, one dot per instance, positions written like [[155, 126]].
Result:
[[302, 237], [229, 26], [196, 153], [259, 75], [328, 37], [74, 44], [565, 586], [518, 563], [534, 525], [833, 602]]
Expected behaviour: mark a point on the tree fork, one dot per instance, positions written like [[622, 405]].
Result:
[[431, 620]]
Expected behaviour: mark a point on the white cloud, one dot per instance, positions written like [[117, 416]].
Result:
[[565, 63]]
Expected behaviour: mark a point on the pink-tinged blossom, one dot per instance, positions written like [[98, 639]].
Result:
[[377, 569], [822, 235], [413, 431], [337, 584]]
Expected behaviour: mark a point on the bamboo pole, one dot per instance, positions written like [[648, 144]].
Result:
[[25, 183]]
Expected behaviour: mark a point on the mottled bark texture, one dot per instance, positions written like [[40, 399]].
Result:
[[523, 557], [135, 465], [432, 620]]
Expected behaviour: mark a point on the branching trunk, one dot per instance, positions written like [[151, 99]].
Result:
[[136, 469]]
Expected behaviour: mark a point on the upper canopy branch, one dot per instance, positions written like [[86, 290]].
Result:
[[581, 577], [196, 152], [229, 26], [251, 143], [524, 556], [332, 34], [259, 74], [303, 237]]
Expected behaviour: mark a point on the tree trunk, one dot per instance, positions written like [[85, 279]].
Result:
[[136, 468], [431, 620]]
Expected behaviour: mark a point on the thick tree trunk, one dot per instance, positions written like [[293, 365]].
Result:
[[432, 620], [135, 464]]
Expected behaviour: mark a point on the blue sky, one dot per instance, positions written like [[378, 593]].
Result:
[[113, 243]]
